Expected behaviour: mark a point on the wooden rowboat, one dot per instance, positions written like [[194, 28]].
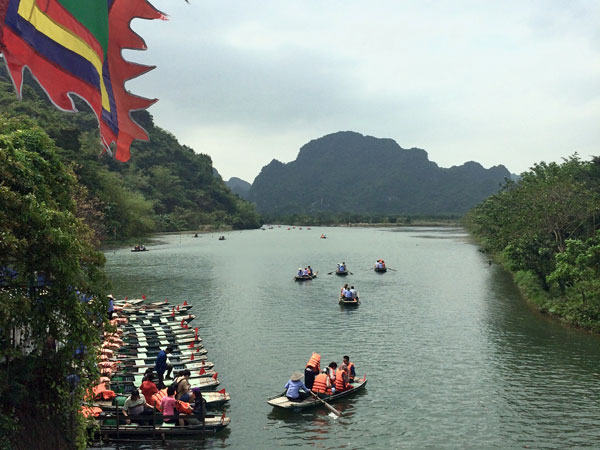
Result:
[[380, 269], [342, 274], [212, 399], [305, 277], [125, 387], [135, 379], [109, 428], [281, 401], [349, 301]]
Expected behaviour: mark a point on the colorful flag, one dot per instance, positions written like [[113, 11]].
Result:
[[74, 47]]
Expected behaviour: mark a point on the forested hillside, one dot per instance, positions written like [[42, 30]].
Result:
[[546, 229], [348, 172], [165, 186]]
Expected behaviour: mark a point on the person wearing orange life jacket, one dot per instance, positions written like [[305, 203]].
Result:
[[324, 384], [351, 368], [341, 379], [313, 367]]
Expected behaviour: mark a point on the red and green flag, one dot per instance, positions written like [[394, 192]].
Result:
[[75, 47]]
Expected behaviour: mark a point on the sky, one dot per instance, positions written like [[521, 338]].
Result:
[[497, 82]]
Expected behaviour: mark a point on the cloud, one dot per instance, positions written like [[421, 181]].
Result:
[[496, 82]]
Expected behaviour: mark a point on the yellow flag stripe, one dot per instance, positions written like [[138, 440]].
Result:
[[29, 10]]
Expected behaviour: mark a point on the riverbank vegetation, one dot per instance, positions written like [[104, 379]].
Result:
[[545, 228], [165, 186], [49, 329]]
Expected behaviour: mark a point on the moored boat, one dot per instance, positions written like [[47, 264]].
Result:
[[281, 401], [212, 399], [110, 429]]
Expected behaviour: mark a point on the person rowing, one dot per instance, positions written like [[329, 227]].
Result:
[[296, 391]]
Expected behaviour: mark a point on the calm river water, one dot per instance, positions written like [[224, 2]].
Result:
[[453, 355]]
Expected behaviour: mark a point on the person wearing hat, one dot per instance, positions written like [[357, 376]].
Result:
[[293, 386], [111, 306], [300, 271]]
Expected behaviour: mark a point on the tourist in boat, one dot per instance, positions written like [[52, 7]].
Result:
[[309, 271], [348, 294], [342, 267], [344, 289], [312, 369], [148, 386], [168, 406], [305, 272], [199, 405], [351, 368], [183, 387], [353, 293], [300, 272], [296, 391], [161, 366], [135, 407], [341, 379], [322, 385]]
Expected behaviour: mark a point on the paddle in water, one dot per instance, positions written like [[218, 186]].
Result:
[[329, 407]]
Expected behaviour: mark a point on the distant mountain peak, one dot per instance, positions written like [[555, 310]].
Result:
[[349, 172]]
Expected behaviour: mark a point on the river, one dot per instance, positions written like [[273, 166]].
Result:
[[454, 357]]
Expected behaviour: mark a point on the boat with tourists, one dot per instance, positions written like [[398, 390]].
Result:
[[281, 401], [352, 301]]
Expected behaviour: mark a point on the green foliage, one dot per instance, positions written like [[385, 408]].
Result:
[[46, 257], [165, 186], [546, 226]]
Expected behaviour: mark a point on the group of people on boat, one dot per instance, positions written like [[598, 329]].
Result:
[[341, 267], [331, 380], [306, 272], [139, 248], [348, 293], [178, 403], [380, 264]]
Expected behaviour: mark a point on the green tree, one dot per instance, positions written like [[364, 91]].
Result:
[[47, 264]]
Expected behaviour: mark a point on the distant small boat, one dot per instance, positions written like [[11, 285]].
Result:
[[221, 238], [341, 273], [135, 250], [305, 277], [380, 269], [323, 236]]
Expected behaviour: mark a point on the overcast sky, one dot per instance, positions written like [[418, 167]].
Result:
[[498, 82]]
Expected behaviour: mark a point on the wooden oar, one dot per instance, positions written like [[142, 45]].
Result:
[[389, 268], [329, 407], [329, 273]]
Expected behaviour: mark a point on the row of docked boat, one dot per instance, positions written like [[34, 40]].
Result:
[[142, 331]]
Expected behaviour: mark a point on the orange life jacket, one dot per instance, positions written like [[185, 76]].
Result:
[[320, 384], [157, 399], [314, 362], [90, 411], [350, 366], [340, 384], [184, 407], [101, 393]]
